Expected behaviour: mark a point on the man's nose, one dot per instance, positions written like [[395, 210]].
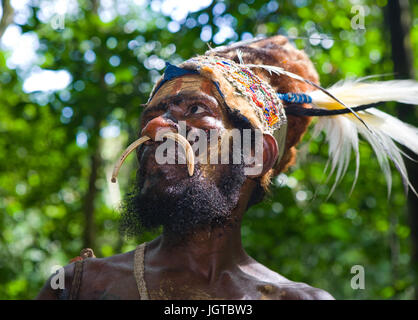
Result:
[[158, 123]]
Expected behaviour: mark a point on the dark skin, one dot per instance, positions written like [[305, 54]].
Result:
[[208, 264]]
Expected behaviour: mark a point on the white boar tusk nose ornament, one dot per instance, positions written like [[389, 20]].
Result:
[[187, 148], [169, 135]]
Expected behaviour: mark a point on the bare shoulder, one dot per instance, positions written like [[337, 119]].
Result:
[[97, 280], [274, 286], [110, 278], [299, 291], [119, 263], [54, 292]]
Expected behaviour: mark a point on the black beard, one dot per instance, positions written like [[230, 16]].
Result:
[[181, 210]]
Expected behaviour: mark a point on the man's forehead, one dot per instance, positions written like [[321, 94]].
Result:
[[191, 85]]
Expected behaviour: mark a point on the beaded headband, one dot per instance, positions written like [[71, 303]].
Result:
[[260, 94]]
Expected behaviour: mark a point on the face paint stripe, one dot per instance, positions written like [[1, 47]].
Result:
[[177, 86]]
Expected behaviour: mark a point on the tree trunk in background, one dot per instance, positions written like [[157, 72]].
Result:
[[398, 19], [95, 165], [89, 200], [95, 6], [7, 17]]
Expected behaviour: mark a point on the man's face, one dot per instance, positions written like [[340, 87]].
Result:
[[165, 194], [190, 101]]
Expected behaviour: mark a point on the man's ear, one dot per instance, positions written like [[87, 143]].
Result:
[[270, 155]]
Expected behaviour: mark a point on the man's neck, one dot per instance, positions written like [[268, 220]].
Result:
[[205, 252]]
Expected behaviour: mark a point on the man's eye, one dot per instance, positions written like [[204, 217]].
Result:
[[196, 109]]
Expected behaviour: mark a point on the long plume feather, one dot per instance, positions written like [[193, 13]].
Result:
[[382, 129]]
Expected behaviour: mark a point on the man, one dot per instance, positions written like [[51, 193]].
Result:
[[198, 200]]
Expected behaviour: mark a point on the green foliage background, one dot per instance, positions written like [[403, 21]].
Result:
[[297, 231]]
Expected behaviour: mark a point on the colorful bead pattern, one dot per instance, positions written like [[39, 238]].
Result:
[[259, 94]]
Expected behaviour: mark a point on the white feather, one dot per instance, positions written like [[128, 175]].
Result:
[[276, 70], [382, 129], [399, 131], [342, 136], [356, 92], [239, 55]]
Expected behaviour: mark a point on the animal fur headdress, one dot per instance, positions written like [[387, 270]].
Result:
[[276, 88]]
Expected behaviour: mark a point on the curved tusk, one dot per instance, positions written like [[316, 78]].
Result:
[[187, 148], [127, 151]]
